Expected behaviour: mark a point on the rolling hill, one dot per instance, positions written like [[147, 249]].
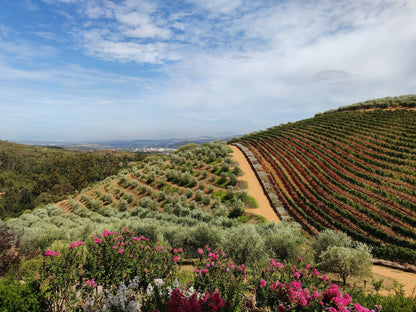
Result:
[[351, 169]]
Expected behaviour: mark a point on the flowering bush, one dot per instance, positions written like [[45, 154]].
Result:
[[299, 288], [214, 272], [180, 303], [93, 275], [114, 257], [105, 260]]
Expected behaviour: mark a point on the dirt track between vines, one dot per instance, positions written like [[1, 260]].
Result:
[[408, 280], [254, 188]]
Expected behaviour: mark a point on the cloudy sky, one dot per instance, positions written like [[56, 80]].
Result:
[[101, 69]]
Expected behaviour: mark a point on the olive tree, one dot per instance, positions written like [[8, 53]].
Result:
[[337, 253], [347, 261]]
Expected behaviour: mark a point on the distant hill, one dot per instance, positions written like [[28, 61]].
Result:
[[352, 170], [31, 176], [131, 145]]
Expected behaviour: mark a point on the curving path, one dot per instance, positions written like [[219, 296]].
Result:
[[253, 187]]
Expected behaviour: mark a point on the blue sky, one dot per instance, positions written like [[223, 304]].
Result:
[[100, 69]]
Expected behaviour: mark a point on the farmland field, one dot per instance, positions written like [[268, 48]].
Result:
[[353, 171]]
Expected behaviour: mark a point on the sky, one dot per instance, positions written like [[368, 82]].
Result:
[[75, 70]]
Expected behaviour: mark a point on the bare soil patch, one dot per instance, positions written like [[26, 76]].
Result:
[[254, 188], [390, 275]]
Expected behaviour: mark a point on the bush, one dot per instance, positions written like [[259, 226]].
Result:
[[12, 249], [285, 241], [18, 297], [244, 245]]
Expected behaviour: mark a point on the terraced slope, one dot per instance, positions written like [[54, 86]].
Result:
[[354, 171]]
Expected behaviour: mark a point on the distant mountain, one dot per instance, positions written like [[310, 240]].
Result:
[[131, 145]]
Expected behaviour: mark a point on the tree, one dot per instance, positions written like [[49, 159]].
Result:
[[347, 261]]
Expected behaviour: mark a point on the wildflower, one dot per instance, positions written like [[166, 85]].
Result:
[[114, 247], [297, 275], [176, 258], [180, 250], [91, 283], [308, 266], [159, 248], [131, 256], [262, 283], [56, 253], [200, 251], [158, 282], [48, 253], [120, 251]]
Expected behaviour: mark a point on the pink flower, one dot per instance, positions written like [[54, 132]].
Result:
[[131, 256], [159, 248], [56, 253], [91, 283], [176, 258], [180, 250], [48, 253], [114, 247], [121, 251], [262, 283], [308, 266], [297, 275]]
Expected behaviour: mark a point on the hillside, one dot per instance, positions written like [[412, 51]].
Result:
[[31, 176], [193, 177], [349, 170]]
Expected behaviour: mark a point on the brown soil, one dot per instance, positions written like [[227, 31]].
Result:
[[254, 188], [389, 275]]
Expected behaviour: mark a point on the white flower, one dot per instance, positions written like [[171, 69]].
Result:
[[158, 282], [149, 290], [176, 284]]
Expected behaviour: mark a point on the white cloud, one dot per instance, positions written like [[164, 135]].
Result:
[[227, 65]]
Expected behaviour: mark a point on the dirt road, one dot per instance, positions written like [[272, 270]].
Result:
[[254, 188]]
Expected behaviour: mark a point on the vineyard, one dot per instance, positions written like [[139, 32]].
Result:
[[353, 171]]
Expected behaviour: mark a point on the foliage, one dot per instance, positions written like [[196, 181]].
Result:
[[20, 297], [12, 249], [337, 253], [32, 176], [107, 260], [299, 287], [213, 272]]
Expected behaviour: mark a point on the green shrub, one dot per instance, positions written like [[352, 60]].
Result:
[[107, 198], [20, 297]]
